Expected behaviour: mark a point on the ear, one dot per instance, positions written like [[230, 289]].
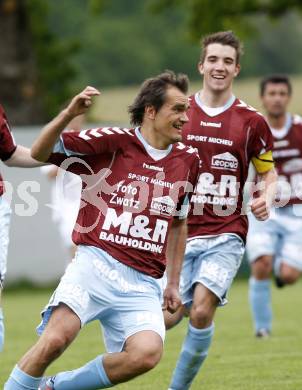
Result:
[[150, 112], [200, 68], [237, 70]]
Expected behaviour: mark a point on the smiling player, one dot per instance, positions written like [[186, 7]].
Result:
[[228, 135], [122, 237]]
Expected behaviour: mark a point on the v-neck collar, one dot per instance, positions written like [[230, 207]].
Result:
[[150, 150], [212, 112]]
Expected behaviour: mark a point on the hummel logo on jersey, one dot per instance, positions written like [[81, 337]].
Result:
[[154, 167], [225, 161], [162, 205], [210, 124], [281, 144]]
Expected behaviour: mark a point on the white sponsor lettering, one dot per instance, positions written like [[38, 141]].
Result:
[[114, 276], [210, 124], [162, 205], [286, 153], [225, 161], [153, 167], [137, 227], [193, 137]]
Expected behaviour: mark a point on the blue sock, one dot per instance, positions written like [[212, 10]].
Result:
[[1, 330], [260, 301], [19, 380], [89, 377], [194, 352]]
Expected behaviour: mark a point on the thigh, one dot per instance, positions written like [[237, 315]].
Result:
[[216, 267], [134, 310], [83, 288], [291, 251], [193, 250], [5, 216], [263, 238]]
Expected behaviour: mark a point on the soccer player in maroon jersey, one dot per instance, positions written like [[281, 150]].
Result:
[[121, 234], [229, 134], [13, 156], [276, 243]]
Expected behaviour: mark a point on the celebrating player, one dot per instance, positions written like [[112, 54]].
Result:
[[13, 156], [276, 244], [228, 135], [121, 234]]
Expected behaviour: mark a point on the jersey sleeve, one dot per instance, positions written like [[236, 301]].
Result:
[[7, 142], [260, 145], [92, 141]]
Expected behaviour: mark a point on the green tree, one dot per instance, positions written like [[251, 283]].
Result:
[[205, 16]]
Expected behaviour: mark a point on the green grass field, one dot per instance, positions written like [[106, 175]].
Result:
[[111, 107], [237, 360]]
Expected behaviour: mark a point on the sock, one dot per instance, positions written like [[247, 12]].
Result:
[[260, 301], [194, 352], [89, 377], [1, 330], [19, 380]]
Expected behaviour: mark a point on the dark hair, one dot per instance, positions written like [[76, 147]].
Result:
[[227, 38], [275, 79], [153, 93]]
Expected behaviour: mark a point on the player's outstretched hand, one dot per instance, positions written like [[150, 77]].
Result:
[[260, 209], [81, 102], [172, 299]]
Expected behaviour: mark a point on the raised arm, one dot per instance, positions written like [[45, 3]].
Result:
[[44, 144]]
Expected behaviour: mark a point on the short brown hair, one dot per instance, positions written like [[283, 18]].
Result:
[[224, 38], [153, 93], [275, 79]]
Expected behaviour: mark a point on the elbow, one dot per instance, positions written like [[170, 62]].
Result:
[[37, 154]]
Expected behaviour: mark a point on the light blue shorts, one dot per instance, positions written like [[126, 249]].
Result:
[[280, 236], [5, 215], [213, 262], [98, 287]]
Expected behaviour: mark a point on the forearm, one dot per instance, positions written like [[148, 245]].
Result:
[[22, 158], [267, 183], [175, 251], [44, 144]]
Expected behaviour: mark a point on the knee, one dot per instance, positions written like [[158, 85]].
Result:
[[144, 361], [52, 347], [289, 275], [200, 316], [262, 267]]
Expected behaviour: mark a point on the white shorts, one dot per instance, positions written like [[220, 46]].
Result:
[[5, 215], [280, 236], [98, 287], [213, 262]]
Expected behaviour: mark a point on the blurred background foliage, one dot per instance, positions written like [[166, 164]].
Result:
[[109, 43]]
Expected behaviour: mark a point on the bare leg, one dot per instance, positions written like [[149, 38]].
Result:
[[141, 353], [61, 330]]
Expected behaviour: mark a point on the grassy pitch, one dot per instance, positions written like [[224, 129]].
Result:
[[237, 360]]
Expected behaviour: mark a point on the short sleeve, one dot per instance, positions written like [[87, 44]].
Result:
[[260, 140], [93, 141], [7, 142]]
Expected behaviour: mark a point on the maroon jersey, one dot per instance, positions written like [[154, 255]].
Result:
[[226, 144], [287, 155], [7, 143], [127, 209]]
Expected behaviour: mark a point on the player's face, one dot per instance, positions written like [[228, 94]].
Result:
[[219, 67], [275, 99], [170, 118]]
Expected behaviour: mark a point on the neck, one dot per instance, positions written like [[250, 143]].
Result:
[[276, 122], [151, 136], [215, 99]]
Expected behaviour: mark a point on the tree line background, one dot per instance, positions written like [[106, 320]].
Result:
[[50, 49]]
